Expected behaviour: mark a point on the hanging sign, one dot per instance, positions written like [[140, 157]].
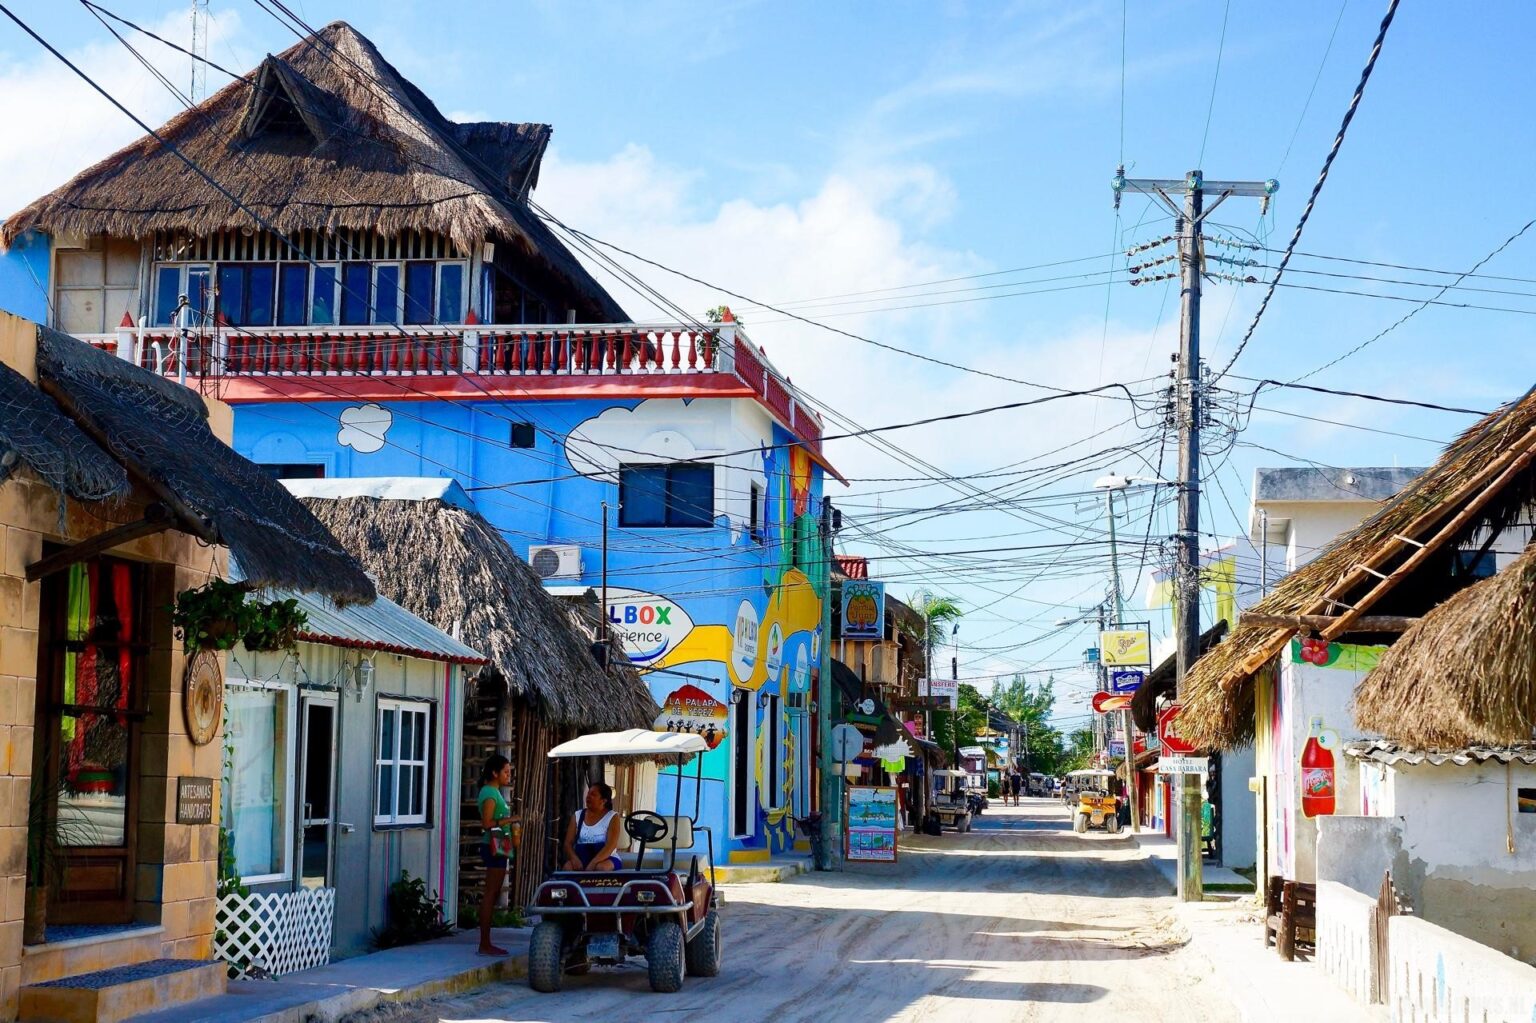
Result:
[[693, 711], [863, 610], [1183, 765], [942, 688], [194, 800], [1126, 681], [1106, 703], [1174, 744], [1129, 647], [873, 820]]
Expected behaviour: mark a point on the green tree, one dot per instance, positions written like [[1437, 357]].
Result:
[[940, 614], [1031, 708], [952, 729], [1079, 751]]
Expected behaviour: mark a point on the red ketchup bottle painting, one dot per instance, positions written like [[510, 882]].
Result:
[[1318, 787]]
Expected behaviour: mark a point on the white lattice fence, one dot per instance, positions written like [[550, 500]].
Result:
[[276, 933]]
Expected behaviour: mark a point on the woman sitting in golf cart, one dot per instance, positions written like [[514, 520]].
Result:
[[592, 837]]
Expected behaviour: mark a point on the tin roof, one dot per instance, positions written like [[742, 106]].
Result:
[[1383, 751]]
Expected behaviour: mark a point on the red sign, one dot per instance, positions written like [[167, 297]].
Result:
[[1168, 732], [1104, 703]]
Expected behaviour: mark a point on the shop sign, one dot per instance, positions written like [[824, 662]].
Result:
[[1130, 647], [744, 641], [775, 652], [693, 711], [1183, 765], [647, 624], [941, 688], [1127, 681], [194, 800], [873, 824], [800, 671], [863, 610]]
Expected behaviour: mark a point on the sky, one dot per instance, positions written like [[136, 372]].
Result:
[[834, 159]]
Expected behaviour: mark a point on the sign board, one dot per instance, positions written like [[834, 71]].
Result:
[[1129, 647], [847, 742], [863, 609], [194, 800], [691, 710], [940, 688], [1168, 732], [1106, 703], [1091, 655], [1183, 765], [1127, 680], [874, 820], [647, 624]]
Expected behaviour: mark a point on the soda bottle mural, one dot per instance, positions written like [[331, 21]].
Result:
[[1318, 785]]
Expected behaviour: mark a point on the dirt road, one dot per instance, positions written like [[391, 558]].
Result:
[[1021, 919]]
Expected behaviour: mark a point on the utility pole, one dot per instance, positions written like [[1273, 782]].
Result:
[[1125, 715], [831, 784], [1187, 586]]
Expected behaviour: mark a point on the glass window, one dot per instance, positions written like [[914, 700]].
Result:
[[293, 294], [386, 293], [257, 783], [246, 292], [200, 291], [167, 294], [418, 291], [450, 293], [404, 735], [322, 308], [356, 285], [680, 495], [232, 293]]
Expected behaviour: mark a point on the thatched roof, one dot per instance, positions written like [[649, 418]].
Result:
[[1162, 680], [326, 135], [1398, 562], [446, 564], [35, 433], [1466, 673], [159, 431]]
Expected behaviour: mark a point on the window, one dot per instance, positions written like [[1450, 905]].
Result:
[[419, 285], [680, 495], [173, 280], [322, 307], [95, 285], [293, 294], [450, 292], [258, 779], [246, 293], [386, 293], [524, 435], [356, 286], [743, 816], [294, 470], [755, 514], [773, 754], [404, 737]]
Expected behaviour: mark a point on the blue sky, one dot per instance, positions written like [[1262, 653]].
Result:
[[797, 150]]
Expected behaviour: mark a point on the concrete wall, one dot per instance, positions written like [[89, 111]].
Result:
[[368, 859], [24, 288], [177, 865], [1238, 845], [1358, 851], [1436, 976], [1346, 940]]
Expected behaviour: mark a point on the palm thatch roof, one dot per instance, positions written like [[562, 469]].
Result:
[[1162, 680], [446, 564], [1400, 561], [325, 136], [94, 423], [1466, 673]]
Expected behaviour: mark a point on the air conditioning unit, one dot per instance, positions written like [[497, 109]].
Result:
[[556, 561]]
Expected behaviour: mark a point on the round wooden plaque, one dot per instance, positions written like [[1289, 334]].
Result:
[[202, 697]]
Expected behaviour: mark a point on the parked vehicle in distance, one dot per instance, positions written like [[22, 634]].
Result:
[[950, 803], [1097, 807]]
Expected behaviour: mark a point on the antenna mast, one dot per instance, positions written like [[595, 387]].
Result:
[[199, 50]]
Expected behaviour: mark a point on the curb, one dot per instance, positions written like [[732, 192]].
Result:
[[331, 1008], [767, 874]]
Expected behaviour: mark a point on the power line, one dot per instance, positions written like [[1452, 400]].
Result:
[[1317, 187], [1221, 46]]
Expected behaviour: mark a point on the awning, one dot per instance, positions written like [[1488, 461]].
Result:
[[158, 430]]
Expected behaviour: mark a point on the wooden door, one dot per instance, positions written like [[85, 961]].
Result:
[[91, 699]]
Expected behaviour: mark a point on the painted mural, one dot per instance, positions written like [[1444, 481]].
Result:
[[725, 620]]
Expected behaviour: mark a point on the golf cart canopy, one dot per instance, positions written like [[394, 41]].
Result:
[[1091, 774], [632, 742], [950, 773]]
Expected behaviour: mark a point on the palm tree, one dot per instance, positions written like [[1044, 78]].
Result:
[[939, 614]]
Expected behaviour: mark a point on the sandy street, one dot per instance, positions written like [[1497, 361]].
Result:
[[1018, 920]]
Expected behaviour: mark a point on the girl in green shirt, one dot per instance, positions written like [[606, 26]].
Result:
[[502, 831]]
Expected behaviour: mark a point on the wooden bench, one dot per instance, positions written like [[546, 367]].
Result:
[[1290, 916]]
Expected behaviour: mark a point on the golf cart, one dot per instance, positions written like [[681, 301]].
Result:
[[950, 802], [1096, 806], [667, 915]]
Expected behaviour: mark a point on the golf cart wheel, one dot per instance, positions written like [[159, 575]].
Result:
[[703, 951], [664, 956], [546, 952], [1112, 825], [1080, 823]]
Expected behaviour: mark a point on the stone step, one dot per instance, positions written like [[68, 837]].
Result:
[[113, 995], [90, 952]]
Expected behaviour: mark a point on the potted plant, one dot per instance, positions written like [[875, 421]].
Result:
[[211, 617], [274, 625]]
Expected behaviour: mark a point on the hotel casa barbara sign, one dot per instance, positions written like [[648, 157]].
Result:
[[647, 624]]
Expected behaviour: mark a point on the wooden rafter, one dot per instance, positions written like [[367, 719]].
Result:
[[156, 519], [1317, 623]]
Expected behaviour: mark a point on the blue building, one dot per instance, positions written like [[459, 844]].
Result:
[[383, 301]]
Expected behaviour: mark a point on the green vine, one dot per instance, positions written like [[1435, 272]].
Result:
[[219, 614]]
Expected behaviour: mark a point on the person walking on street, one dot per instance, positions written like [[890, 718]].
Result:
[[1015, 784]]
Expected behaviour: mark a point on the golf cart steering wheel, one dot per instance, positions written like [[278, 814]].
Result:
[[645, 826]]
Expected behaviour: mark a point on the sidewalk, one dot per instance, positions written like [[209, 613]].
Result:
[[1264, 987], [1163, 853], [325, 993]]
